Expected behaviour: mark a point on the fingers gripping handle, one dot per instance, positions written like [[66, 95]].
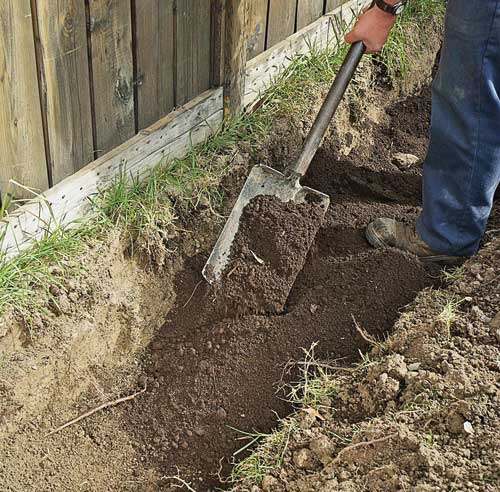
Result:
[[329, 107]]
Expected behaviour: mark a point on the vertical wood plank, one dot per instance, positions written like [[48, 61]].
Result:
[[281, 20], [193, 49], [308, 11], [257, 25], [112, 72], [235, 57], [64, 63], [22, 148], [154, 59], [218, 30], [333, 4]]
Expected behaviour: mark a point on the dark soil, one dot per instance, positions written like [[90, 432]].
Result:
[[209, 373], [268, 252]]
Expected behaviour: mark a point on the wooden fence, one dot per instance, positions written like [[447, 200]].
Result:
[[105, 81], [80, 77]]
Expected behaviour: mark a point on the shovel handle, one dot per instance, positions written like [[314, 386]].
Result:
[[330, 105]]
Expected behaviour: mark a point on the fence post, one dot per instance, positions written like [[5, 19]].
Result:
[[218, 28], [235, 57]]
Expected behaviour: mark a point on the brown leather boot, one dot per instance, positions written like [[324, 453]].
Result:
[[389, 233]]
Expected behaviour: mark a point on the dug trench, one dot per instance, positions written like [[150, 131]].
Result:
[[211, 373], [208, 372]]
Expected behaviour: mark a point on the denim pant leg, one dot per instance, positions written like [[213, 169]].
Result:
[[462, 168]]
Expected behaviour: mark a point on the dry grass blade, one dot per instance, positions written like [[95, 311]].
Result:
[[364, 335], [96, 409]]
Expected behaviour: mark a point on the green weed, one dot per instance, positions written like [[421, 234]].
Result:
[[314, 385], [268, 456]]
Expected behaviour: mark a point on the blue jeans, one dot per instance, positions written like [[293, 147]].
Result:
[[462, 168]]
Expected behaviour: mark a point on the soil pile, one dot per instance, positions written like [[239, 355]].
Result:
[[268, 252], [209, 374], [423, 415]]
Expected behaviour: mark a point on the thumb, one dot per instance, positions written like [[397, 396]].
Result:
[[351, 37]]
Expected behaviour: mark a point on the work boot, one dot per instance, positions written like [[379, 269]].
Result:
[[389, 233]]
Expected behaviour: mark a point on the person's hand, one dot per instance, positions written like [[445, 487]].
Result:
[[373, 28]]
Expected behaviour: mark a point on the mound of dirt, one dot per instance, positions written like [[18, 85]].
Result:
[[268, 252], [423, 415]]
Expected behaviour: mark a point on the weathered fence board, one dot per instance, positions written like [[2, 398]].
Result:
[[332, 5], [308, 11], [257, 27], [22, 151], [154, 56], [68, 201], [281, 20], [112, 72], [193, 49], [65, 72], [217, 42]]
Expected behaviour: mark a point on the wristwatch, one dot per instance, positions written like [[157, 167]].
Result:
[[394, 9]]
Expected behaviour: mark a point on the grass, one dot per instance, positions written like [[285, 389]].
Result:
[[266, 457], [396, 54], [314, 385], [150, 207], [448, 304], [36, 269]]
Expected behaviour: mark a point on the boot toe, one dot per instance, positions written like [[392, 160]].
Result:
[[380, 233]]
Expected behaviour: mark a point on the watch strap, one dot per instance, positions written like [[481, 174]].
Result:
[[393, 9]]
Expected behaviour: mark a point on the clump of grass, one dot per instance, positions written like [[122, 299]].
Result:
[[453, 274], [315, 383], [396, 53], [448, 304], [267, 457], [36, 269]]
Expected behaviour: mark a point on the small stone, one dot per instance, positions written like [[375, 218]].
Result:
[[199, 431], [344, 475], [468, 428], [313, 308], [404, 161], [414, 367], [221, 414], [54, 290], [322, 448], [304, 458], [271, 484]]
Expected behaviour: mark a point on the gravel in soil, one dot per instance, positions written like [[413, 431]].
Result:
[[209, 374]]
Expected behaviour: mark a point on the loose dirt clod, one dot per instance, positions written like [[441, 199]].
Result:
[[267, 254]]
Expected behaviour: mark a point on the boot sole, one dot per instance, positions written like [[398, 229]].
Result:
[[377, 242]]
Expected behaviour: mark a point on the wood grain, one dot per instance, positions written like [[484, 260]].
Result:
[[218, 36], [63, 40], [256, 27], [112, 72], [154, 59], [235, 57], [333, 4], [308, 11], [193, 49], [281, 21], [22, 154]]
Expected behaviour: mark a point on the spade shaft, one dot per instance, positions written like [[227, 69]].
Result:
[[286, 186]]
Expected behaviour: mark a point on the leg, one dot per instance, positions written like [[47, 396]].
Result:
[[462, 169]]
